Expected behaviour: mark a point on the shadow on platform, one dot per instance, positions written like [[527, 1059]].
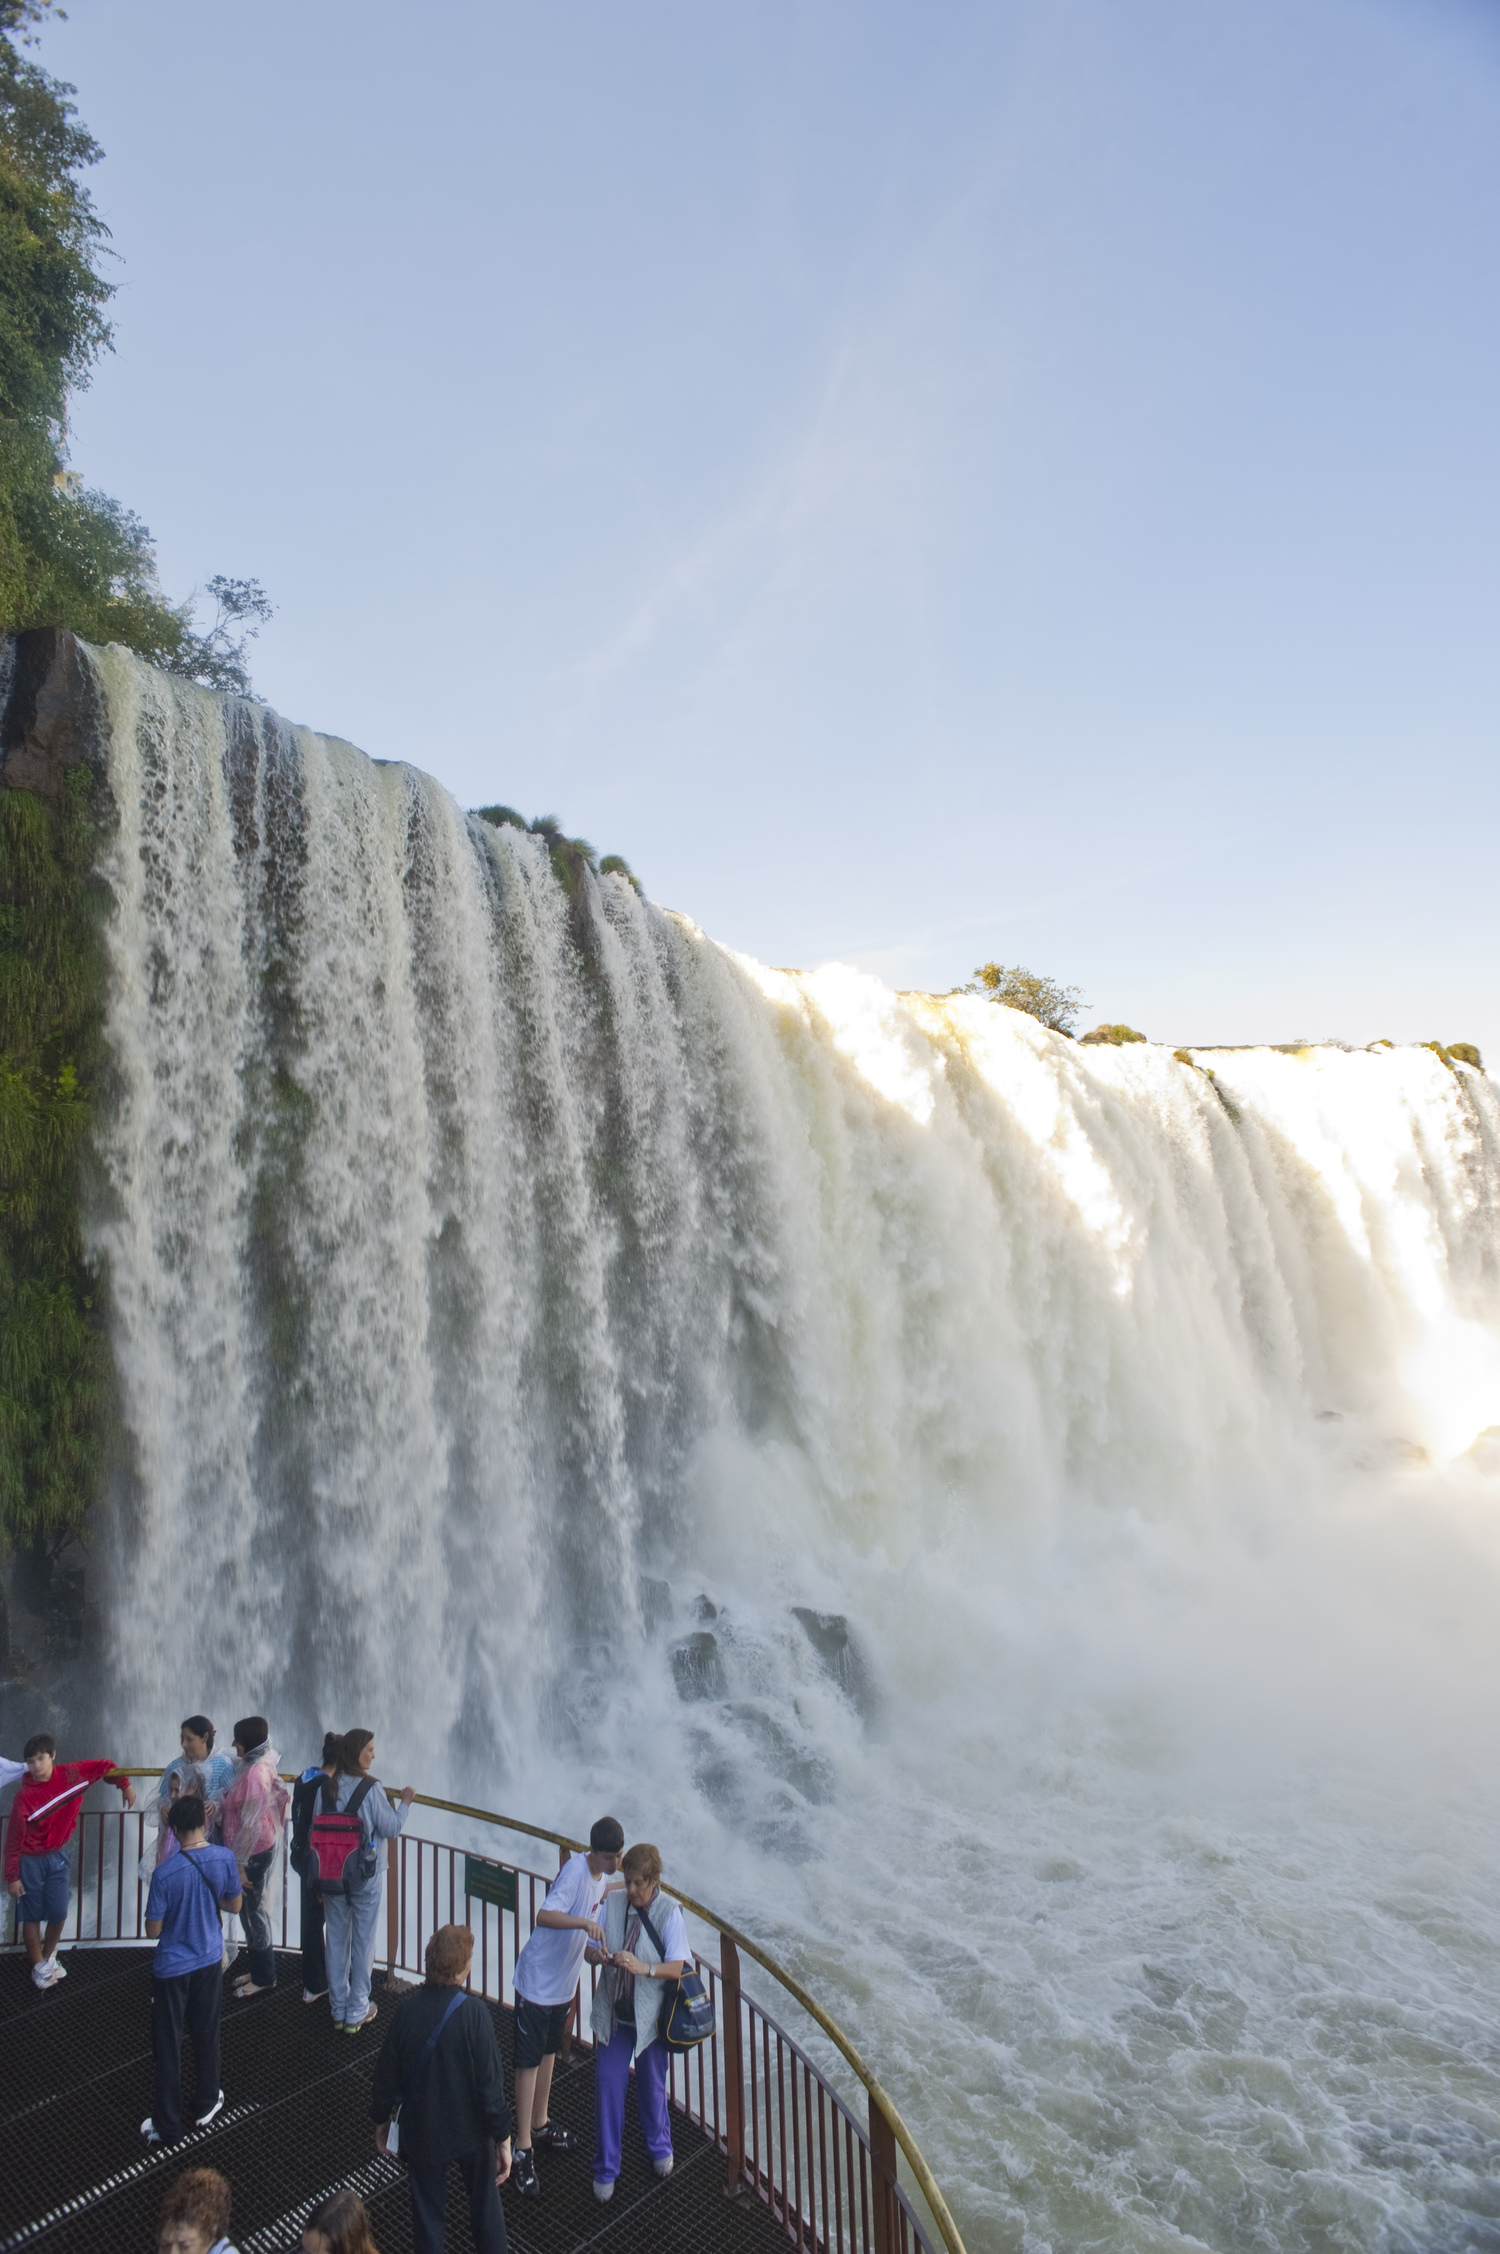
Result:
[[75, 2085]]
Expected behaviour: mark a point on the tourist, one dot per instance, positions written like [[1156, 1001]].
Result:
[[351, 1919], [646, 1947], [306, 1795], [198, 1769], [195, 2215], [10, 1771], [182, 1916], [43, 1818], [439, 2074], [546, 1982], [341, 2225], [254, 1812]]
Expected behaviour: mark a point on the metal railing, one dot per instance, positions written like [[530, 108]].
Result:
[[828, 2173]]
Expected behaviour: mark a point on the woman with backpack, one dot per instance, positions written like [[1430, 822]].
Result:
[[254, 1812], [351, 1900]]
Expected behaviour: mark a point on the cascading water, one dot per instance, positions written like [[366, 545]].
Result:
[[535, 1324]]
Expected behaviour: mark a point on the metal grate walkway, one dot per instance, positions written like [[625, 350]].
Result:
[[75, 2084]]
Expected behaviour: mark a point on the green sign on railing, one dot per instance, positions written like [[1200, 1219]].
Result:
[[489, 1882]]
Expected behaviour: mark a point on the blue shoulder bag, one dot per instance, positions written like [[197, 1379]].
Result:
[[687, 2016]]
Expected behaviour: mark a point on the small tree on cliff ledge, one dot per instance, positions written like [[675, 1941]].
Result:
[[1017, 989]]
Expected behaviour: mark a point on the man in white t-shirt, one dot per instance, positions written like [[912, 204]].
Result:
[[546, 1981]]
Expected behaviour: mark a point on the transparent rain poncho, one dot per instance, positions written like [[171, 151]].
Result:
[[253, 1813], [209, 1779]]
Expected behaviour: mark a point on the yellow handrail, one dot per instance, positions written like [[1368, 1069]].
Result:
[[793, 1987]]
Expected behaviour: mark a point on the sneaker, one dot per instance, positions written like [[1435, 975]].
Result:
[[201, 2120], [59, 1969], [150, 2131], [663, 2164], [315, 1996], [523, 2175], [552, 2138], [44, 1973], [353, 2026], [603, 2190]]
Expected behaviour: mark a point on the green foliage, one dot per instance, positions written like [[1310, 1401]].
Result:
[[1466, 1053], [70, 556], [1017, 989], [56, 1375], [1439, 1052], [1185, 1056], [616, 865], [570, 855], [1115, 1035]]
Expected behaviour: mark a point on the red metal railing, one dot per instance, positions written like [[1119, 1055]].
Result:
[[789, 2138]]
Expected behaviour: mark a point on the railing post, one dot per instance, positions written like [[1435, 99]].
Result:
[[883, 2184], [393, 1909], [565, 2047], [734, 2067]]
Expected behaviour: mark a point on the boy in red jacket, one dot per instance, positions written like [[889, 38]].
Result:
[[43, 1817]]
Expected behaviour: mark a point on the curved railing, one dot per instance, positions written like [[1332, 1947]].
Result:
[[788, 2137]]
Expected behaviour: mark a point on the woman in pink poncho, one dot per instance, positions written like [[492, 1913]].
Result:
[[254, 1812]]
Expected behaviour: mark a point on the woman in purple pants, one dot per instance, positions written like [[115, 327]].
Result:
[[627, 2007]]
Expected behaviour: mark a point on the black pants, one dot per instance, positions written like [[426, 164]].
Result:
[[193, 2000], [429, 2190], [256, 1918], [314, 1957]]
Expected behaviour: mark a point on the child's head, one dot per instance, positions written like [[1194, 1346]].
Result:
[[186, 1815], [194, 2214], [340, 2226], [605, 1842], [39, 1753]]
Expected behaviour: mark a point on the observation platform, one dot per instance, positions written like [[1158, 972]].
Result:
[[75, 2085]]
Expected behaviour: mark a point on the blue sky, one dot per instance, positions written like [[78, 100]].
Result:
[[925, 483]]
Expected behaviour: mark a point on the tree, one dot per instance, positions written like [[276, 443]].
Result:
[[1017, 989], [69, 555]]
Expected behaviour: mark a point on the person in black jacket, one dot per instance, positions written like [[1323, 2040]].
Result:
[[307, 1795], [452, 2103]]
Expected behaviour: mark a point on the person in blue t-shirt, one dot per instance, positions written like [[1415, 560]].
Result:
[[187, 1989]]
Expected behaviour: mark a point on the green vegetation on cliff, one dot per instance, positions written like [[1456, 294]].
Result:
[[56, 1376], [1017, 989]]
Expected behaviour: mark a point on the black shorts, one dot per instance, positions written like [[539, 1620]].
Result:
[[539, 2030]]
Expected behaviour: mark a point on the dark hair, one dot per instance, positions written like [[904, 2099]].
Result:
[[333, 1742], [201, 2200], [351, 1746], [41, 1743], [448, 1952], [186, 1813], [251, 1734], [607, 1836], [344, 2220], [201, 1726]]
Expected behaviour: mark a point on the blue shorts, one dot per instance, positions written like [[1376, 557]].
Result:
[[47, 1880]]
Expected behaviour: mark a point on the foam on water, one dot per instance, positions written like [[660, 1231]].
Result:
[[511, 1285]]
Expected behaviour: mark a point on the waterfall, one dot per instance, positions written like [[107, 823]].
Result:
[[1013, 1517]]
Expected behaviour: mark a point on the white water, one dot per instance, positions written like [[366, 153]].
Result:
[[482, 1264]]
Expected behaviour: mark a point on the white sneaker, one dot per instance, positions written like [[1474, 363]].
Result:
[[201, 2120], [150, 2131], [663, 2166], [44, 1973], [59, 1969], [603, 2190]]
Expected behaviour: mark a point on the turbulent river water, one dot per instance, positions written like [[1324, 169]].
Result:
[[524, 1305]]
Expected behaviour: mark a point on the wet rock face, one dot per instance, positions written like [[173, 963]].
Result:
[[50, 714], [697, 1669], [828, 1633]]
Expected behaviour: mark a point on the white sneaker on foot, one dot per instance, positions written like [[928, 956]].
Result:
[[201, 2120], [603, 2190], [663, 2166], [44, 1973], [59, 1969]]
